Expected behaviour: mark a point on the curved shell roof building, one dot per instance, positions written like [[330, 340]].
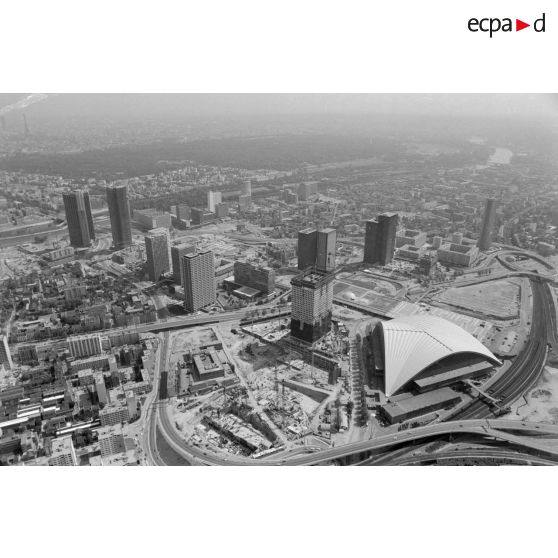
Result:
[[414, 343]]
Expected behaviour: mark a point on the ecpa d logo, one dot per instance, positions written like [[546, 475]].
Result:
[[493, 25]]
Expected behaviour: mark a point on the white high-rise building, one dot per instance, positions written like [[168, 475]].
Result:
[[247, 188], [198, 275], [213, 199]]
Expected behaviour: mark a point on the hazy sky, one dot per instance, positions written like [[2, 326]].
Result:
[[196, 104]]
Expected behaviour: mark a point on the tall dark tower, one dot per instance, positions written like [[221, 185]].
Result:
[[379, 239], [177, 253], [78, 216], [307, 248], [485, 239], [119, 212], [157, 253], [317, 249]]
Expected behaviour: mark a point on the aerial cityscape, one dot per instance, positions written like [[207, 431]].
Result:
[[278, 280]]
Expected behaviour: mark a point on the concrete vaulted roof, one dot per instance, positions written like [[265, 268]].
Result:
[[413, 343]]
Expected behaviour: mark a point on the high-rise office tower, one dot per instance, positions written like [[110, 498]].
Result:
[[325, 253], [307, 248], [312, 304], [213, 198], [157, 253], [379, 240], [177, 253], [247, 188], [78, 216], [119, 212], [5, 355], [485, 239], [244, 201], [198, 271], [317, 249]]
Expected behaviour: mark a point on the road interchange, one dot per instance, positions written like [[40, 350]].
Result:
[[522, 375]]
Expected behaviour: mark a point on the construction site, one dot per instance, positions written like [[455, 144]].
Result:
[[540, 404], [259, 389]]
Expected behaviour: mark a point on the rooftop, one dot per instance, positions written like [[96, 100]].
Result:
[[408, 403]]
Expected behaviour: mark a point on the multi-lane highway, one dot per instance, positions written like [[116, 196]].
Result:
[[528, 366], [530, 436], [524, 372], [149, 434], [475, 455]]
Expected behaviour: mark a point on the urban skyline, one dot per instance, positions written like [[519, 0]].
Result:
[[288, 289]]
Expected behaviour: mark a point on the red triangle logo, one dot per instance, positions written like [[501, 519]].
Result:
[[519, 25]]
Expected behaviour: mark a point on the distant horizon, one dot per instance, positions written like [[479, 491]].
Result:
[[196, 104]]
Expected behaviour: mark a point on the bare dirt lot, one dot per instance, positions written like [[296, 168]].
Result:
[[496, 298], [542, 400]]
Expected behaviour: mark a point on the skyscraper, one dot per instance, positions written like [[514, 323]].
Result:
[[157, 253], [78, 216], [119, 211], [379, 240], [307, 248], [485, 239], [312, 304], [177, 253], [244, 201], [325, 253], [247, 188], [5, 355], [213, 198], [317, 249], [199, 280]]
